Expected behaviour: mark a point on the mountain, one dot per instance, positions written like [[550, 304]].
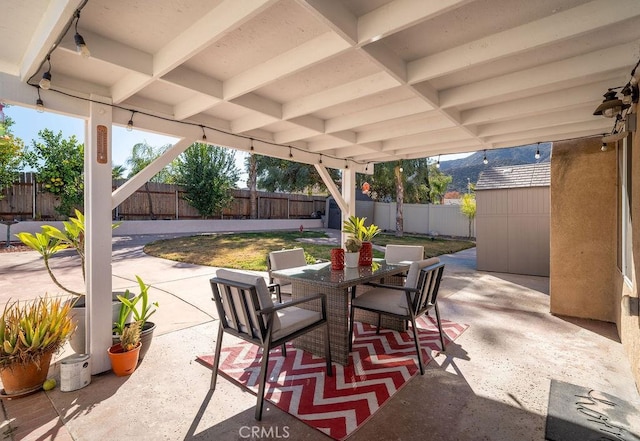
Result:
[[468, 169]]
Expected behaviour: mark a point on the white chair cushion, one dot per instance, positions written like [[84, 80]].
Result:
[[264, 296], [414, 271], [403, 253], [293, 319], [285, 259], [383, 299]]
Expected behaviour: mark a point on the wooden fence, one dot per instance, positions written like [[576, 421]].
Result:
[[25, 200]]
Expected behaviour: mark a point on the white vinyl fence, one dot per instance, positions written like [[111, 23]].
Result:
[[442, 220]]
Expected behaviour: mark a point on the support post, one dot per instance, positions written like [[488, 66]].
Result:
[[97, 204]]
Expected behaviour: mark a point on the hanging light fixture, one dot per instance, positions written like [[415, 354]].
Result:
[[346, 164], [81, 46], [438, 162], [45, 82], [290, 152], [485, 161], [204, 135], [611, 105], [251, 147], [537, 155], [130, 123], [39, 103], [320, 161]]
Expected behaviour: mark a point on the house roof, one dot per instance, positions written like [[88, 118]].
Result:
[[517, 176], [350, 82]]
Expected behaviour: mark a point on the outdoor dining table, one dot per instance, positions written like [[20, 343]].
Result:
[[337, 285]]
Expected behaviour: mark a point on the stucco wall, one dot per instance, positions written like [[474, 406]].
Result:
[[583, 230]]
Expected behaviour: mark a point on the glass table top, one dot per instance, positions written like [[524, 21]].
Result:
[[322, 274]]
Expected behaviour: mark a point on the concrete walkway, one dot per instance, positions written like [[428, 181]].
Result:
[[492, 383]]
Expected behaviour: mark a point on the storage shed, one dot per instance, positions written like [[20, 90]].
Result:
[[512, 219]]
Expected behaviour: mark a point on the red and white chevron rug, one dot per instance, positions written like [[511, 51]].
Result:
[[379, 366]]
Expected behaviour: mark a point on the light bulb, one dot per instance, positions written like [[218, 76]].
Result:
[[438, 164], [130, 125], [39, 106], [81, 46], [537, 155], [604, 147], [45, 82]]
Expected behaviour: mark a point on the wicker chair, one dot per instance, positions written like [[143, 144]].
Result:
[[246, 311], [418, 296]]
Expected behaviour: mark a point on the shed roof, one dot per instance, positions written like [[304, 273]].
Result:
[[516, 176]]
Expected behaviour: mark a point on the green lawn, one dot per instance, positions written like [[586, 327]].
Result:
[[249, 250]]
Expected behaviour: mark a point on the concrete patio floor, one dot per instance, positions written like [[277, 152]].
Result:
[[492, 383]]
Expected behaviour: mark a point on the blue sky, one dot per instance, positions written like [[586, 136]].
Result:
[[27, 123]]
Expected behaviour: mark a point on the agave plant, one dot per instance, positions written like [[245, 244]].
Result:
[[29, 330]]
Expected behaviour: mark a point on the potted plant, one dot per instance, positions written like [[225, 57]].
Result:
[[352, 254], [30, 333], [141, 309], [124, 355], [356, 227], [51, 241]]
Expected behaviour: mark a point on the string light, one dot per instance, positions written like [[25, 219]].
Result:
[[130, 123], [81, 46], [604, 147], [438, 162], [290, 153], [346, 164], [204, 135], [537, 155], [320, 161], [485, 161], [45, 82], [251, 147], [39, 103]]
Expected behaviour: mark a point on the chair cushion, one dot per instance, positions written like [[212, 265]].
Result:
[[383, 299], [293, 318], [414, 271], [285, 259], [403, 253], [264, 296]]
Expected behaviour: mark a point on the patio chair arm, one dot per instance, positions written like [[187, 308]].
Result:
[[280, 306], [396, 287]]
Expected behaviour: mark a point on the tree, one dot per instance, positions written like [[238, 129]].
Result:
[[117, 172], [415, 181], [59, 164], [251, 165], [281, 175], [207, 173], [11, 151], [142, 154], [468, 208]]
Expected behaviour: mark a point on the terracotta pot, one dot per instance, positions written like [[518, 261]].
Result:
[[21, 379], [123, 363], [366, 254], [337, 258]]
